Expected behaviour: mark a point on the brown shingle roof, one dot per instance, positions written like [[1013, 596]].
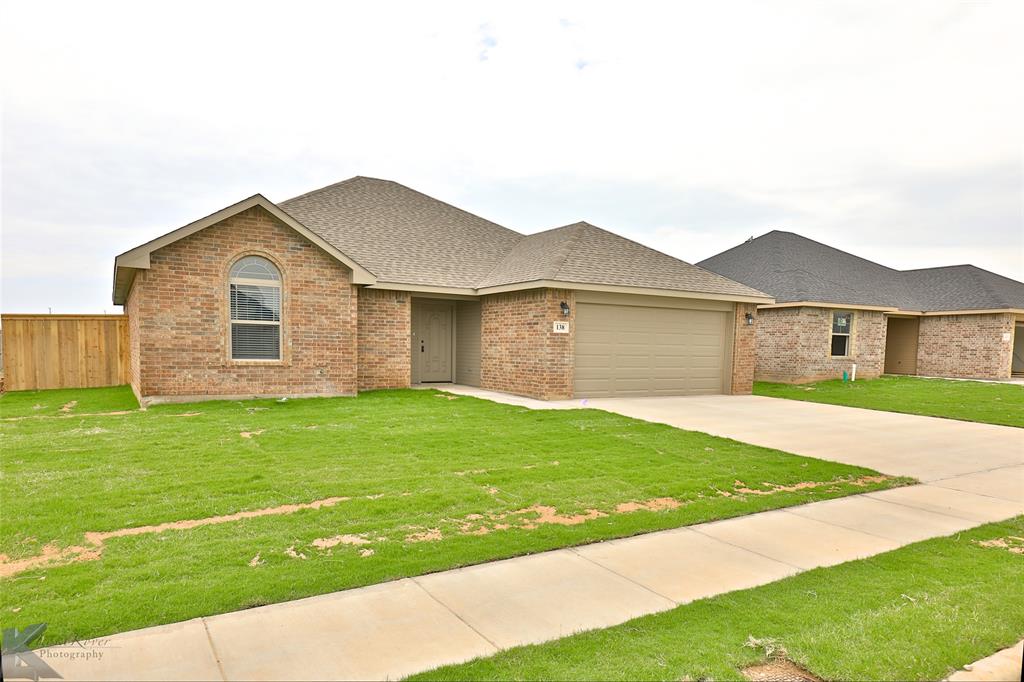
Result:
[[586, 254], [404, 236]]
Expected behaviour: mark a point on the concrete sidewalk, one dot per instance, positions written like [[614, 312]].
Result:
[[395, 629]]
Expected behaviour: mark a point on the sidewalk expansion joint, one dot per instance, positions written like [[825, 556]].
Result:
[[455, 613], [213, 650], [624, 577]]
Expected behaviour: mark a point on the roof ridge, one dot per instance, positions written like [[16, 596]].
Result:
[[407, 188], [974, 273], [321, 189], [568, 246], [833, 248], [667, 255]]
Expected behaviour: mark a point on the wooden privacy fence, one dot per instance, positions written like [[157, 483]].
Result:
[[64, 351]]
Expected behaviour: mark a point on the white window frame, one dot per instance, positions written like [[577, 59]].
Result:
[[267, 323], [833, 333]]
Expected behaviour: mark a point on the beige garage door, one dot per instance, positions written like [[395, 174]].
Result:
[[626, 350]]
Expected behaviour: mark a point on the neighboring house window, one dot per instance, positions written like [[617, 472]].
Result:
[[255, 289], [841, 325]]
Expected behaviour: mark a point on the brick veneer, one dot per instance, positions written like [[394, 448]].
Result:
[[519, 351], [793, 345], [744, 349], [966, 346], [384, 339], [180, 312]]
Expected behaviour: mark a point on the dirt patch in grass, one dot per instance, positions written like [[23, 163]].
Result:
[[67, 407], [742, 488], [1011, 543], [327, 543], [250, 434], [76, 415], [657, 504], [52, 555], [429, 535], [550, 515], [779, 670]]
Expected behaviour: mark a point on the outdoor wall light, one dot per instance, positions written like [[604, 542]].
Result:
[[565, 308], [750, 318]]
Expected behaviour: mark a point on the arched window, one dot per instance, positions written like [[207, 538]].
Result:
[[255, 289]]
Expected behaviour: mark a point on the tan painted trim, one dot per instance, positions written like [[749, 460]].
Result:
[[991, 311], [424, 288], [830, 306], [889, 309], [647, 291], [139, 257], [428, 296]]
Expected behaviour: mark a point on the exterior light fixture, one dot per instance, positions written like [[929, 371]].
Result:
[[565, 308], [750, 318]]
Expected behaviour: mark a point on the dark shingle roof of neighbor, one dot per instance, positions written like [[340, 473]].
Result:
[[793, 268], [406, 237]]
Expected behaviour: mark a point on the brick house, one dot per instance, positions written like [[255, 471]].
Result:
[[834, 311], [367, 284]]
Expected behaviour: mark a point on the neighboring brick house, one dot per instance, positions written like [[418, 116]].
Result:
[[834, 311], [367, 284]]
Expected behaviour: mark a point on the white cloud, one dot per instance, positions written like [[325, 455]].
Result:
[[689, 126]]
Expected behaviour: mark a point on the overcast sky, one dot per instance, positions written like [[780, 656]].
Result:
[[892, 130]]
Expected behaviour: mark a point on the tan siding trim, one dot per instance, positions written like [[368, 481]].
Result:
[[645, 291], [834, 306]]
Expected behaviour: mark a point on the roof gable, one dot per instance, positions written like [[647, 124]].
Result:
[[139, 257]]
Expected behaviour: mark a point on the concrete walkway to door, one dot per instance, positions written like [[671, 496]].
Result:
[[395, 629]]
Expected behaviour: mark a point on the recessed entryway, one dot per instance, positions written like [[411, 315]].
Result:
[[445, 341], [901, 345]]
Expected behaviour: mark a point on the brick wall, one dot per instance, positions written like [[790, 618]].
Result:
[[744, 349], [384, 339], [180, 312], [793, 345], [966, 346], [519, 351]]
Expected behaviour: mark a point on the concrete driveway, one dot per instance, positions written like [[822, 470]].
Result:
[[926, 448]]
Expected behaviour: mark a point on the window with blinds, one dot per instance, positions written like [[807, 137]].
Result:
[[255, 291]]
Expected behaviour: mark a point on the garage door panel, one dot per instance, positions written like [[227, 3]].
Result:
[[634, 351]]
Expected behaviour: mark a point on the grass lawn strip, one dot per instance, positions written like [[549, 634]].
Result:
[[918, 612], [977, 401], [67, 402], [179, 511]]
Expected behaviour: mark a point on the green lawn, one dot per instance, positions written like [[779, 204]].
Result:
[[974, 401], [428, 481], [67, 401], [919, 612]]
